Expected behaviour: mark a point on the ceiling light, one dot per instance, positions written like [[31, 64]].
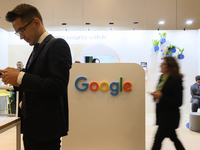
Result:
[[134, 25], [65, 24], [88, 24], [111, 23], [187, 23], [160, 23]]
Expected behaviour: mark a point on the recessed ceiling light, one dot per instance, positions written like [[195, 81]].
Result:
[[189, 22], [161, 22]]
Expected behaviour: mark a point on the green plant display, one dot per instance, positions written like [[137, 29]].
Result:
[[162, 35], [180, 53], [156, 42], [170, 49], [180, 50], [171, 46], [168, 52]]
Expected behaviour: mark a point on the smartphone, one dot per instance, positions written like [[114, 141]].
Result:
[[1, 74]]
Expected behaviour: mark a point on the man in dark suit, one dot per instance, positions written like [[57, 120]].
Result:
[[45, 101], [195, 93]]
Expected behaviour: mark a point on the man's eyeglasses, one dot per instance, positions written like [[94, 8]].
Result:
[[22, 30]]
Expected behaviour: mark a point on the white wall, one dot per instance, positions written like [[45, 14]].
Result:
[[130, 46], [3, 58], [3, 49], [19, 50]]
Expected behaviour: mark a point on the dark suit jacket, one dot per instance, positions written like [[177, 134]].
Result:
[[195, 92], [167, 110], [45, 84]]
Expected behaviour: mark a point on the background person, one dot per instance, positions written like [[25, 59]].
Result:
[[168, 98], [20, 66], [45, 100], [195, 93]]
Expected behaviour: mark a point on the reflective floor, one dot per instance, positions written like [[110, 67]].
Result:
[[189, 139]]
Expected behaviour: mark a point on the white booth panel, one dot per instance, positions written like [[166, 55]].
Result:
[[100, 120]]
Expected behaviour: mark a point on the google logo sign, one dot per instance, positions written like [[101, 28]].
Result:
[[115, 87]]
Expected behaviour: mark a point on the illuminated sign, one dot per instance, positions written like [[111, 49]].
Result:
[[115, 87]]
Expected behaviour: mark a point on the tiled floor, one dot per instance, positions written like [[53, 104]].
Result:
[[189, 138]]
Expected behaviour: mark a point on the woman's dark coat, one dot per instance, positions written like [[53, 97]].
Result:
[[167, 110]]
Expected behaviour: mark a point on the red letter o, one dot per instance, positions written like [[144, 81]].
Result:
[[94, 83]]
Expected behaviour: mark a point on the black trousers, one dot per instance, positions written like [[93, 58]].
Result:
[[163, 133], [47, 145], [31, 144]]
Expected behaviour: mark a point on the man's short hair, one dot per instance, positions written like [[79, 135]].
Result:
[[197, 78], [20, 62], [24, 11]]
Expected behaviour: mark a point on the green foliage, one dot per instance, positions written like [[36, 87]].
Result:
[[162, 35], [168, 52], [180, 50], [156, 42], [171, 46], [12, 98]]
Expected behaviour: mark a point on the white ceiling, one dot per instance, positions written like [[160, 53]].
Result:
[[99, 13]]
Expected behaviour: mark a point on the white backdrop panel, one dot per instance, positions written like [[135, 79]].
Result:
[[101, 121]]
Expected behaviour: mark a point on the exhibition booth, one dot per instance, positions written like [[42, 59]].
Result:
[[130, 46], [112, 95]]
